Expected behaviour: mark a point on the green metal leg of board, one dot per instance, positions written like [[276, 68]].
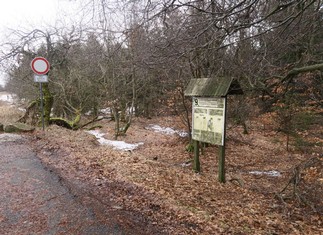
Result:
[[196, 162], [222, 164]]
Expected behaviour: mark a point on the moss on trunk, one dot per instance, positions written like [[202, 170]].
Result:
[[73, 125], [61, 122], [48, 103]]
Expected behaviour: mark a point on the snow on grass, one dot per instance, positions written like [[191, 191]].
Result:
[[120, 145], [7, 98], [166, 130], [269, 173], [106, 111]]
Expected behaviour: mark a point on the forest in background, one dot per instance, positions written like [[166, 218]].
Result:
[[136, 58], [140, 55]]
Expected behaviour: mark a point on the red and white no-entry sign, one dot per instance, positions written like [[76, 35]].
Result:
[[40, 65]]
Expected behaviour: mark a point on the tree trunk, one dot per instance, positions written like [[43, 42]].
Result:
[[117, 124], [31, 113], [48, 103]]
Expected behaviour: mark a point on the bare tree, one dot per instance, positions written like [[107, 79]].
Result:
[[53, 44]]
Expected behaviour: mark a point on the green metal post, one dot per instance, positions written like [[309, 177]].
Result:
[[196, 162], [221, 173], [42, 104], [222, 164]]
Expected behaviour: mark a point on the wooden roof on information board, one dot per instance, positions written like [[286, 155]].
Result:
[[213, 87]]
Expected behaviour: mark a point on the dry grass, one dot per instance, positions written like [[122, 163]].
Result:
[[9, 114], [195, 200]]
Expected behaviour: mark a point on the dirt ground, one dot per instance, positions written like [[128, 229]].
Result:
[[156, 180], [35, 200], [268, 191]]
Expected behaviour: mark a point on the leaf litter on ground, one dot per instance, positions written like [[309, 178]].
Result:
[[151, 180]]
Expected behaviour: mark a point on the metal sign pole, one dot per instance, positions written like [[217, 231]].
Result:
[[40, 66], [196, 162], [41, 105], [221, 173]]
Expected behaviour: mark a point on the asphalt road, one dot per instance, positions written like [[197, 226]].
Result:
[[33, 200]]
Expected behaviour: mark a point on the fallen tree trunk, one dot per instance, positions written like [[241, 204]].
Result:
[[96, 119], [73, 125], [31, 113], [61, 122], [31, 116], [300, 188]]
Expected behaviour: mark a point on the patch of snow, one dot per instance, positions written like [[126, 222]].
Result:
[[269, 173], [22, 109], [159, 129], [166, 130], [88, 113], [7, 98], [186, 164], [105, 111], [131, 110], [120, 145], [2, 80], [128, 110], [182, 133]]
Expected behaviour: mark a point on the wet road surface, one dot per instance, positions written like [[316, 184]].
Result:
[[33, 201]]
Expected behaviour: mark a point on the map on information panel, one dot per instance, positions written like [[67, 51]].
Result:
[[208, 120]]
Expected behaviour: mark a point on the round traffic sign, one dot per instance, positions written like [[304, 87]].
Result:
[[40, 65]]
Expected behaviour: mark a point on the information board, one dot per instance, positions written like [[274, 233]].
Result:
[[208, 120]]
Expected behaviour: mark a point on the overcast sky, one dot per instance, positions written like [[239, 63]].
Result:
[[29, 14], [26, 13]]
